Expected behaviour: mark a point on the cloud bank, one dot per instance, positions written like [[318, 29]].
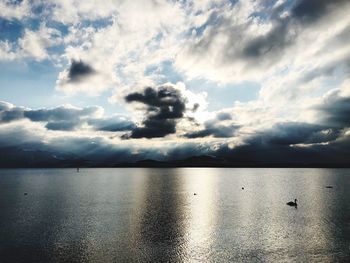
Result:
[[178, 76]]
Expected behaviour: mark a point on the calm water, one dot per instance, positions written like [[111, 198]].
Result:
[[152, 215]]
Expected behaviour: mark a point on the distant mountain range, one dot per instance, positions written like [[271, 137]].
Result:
[[13, 157]]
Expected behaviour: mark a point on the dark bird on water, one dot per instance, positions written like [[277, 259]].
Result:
[[293, 203], [194, 194], [242, 188], [329, 186]]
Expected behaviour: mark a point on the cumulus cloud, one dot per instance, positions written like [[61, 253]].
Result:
[[220, 126], [82, 77], [334, 107], [72, 11], [164, 105], [33, 44], [297, 52], [15, 9], [9, 113], [78, 70], [248, 45]]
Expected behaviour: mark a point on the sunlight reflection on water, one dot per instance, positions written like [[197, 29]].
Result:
[[153, 215]]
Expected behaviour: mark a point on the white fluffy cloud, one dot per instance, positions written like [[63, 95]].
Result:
[[12, 10], [31, 45], [125, 46]]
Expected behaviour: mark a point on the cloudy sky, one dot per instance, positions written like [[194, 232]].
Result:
[[117, 80]]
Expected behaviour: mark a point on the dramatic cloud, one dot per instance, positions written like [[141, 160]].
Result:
[[9, 113], [295, 133], [80, 76], [66, 118], [164, 105], [258, 39], [78, 70], [216, 128], [311, 10], [254, 80], [334, 110], [218, 131]]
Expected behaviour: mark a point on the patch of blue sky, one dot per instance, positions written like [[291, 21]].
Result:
[[82, 100], [268, 9], [28, 84], [165, 71], [212, 20], [59, 49], [223, 96], [32, 84], [10, 30]]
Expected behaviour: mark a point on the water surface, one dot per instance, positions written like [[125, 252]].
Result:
[[152, 215]]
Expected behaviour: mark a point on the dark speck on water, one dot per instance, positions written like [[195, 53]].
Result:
[[147, 215]]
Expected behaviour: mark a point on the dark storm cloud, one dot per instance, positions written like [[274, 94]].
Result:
[[78, 70], [333, 153], [21, 147], [164, 106], [335, 110], [273, 42], [290, 133], [312, 10], [277, 146], [11, 114]]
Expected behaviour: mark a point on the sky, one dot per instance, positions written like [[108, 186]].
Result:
[[119, 81]]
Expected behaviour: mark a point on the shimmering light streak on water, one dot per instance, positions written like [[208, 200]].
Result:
[[174, 215]]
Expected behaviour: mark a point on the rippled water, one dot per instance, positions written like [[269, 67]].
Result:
[[152, 215]]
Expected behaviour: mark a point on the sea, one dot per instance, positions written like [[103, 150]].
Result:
[[174, 215]]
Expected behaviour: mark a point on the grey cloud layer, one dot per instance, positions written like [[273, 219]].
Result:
[[233, 44], [241, 37], [215, 128], [65, 118]]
